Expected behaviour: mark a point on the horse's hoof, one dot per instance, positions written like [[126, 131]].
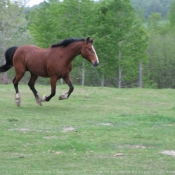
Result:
[[63, 97], [18, 101], [39, 100], [60, 98], [40, 104]]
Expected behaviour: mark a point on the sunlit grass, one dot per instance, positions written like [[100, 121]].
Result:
[[96, 131]]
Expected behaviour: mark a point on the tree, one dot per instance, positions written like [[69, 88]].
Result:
[[171, 14], [13, 28], [161, 60], [160, 67], [150, 6], [122, 39]]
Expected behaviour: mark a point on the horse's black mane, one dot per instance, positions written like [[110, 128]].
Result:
[[66, 42]]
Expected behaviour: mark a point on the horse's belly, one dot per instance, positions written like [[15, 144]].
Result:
[[35, 62], [37, 69], [39, 72]]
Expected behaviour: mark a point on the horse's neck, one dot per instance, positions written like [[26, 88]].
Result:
[[73, 50]]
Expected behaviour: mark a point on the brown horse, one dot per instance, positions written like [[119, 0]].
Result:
[[54, 62]]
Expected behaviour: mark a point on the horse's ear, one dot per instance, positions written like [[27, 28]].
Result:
[[88, 40], [92, 40]]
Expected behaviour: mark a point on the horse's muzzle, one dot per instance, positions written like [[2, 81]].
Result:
[[95, 63]]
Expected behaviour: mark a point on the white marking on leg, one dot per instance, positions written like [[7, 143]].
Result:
[[18, 99], [17, 96], [38, 99], [95, 54], [65, 95], [43, 98]]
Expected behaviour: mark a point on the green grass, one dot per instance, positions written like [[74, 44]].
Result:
[[96, 131]]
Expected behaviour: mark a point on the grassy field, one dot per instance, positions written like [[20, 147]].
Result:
[[96, 131]]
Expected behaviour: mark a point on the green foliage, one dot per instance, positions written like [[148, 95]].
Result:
[[154, 21], [13, 29], [152, 6], [171, 14], [41, 25], [161, 59], [123, 32], [58, 20], [160, 67]]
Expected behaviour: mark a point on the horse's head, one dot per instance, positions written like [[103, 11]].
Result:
[[88, 52]]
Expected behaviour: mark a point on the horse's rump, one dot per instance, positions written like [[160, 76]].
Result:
[[31, 58]]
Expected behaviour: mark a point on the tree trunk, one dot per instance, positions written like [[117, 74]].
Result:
[[102, 80], [119, 70], [61, 81], [83, 73], [120, 77], [140, 74]]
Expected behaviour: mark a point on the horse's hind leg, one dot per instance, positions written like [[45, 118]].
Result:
[[15, 82], [31, 84]]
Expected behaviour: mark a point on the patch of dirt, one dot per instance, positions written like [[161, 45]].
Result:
[[24, 130], [22, 156], [139, 146], [133, 146], [172, 124], [170, 153], [58, 152], [106, 124], [50, 137], [118, 154], [69, 128]]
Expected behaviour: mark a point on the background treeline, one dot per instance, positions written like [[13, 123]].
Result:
[[134, 40], [152, 6]]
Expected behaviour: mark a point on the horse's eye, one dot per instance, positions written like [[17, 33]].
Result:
[[89, 49]]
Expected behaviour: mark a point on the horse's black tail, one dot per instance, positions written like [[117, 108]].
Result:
[[9, 59]]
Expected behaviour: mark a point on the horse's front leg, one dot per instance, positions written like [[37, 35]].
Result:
[[53, 81], [71, 88]]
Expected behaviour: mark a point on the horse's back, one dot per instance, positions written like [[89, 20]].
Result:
[[26, 51], [42, 62]]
